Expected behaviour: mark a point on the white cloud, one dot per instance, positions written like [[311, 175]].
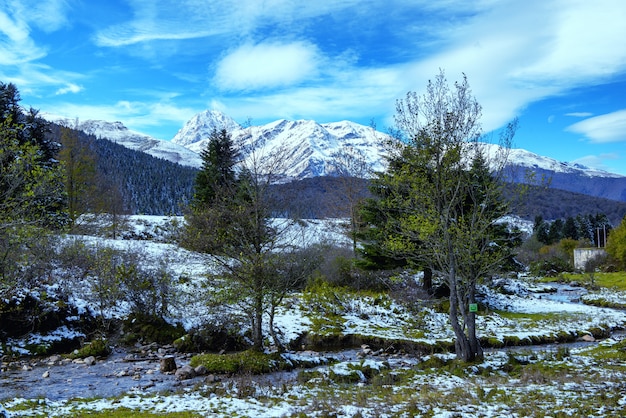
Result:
[[583, 40], [579, 114], [514, 53], [267, 65], [69, 88], [49, 15], [16, 46], [610, 127]]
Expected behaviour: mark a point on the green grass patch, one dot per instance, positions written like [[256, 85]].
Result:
[[129, 413], [326, 304], [249, 361], [615, 280], [602, 302], [614, 354], [537, 316]]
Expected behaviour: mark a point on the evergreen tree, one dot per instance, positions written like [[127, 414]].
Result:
[[10, 109], [570, 228], [217, 174], [556, 231], [79, 163], [32, 197], [230, 219]]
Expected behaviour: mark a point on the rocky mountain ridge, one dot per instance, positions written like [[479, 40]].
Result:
[[312, 148]]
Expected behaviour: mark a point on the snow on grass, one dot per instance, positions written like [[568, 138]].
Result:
[[429, 392]]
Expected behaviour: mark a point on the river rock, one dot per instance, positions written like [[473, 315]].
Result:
[[185, 372], [46, 374], [168, 364], [55, 359], [200, 370], [90, 361], [588, 338], [211, 379], [365, 351]]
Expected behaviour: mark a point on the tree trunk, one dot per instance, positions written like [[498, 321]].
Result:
[[462, 344], [258, 296], [470, 321], [427, 284], [257, 332], [279, 345]]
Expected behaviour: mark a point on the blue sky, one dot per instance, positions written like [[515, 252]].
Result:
[[557, 65]]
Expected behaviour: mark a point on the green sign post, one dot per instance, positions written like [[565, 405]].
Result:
[[473, 307]]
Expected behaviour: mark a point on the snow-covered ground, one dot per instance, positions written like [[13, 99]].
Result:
[[484, 390]]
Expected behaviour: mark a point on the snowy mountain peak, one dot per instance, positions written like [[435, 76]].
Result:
[[311, 146], [201, 125]]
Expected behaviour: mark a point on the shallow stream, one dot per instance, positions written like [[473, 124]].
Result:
[[121, 373]]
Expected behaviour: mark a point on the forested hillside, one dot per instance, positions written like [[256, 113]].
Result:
[[147, 185], [324, 197], [551, 203]]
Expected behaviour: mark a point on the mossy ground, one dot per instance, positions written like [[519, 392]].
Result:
[[248, 361]]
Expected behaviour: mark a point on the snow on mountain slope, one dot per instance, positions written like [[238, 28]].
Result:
[[309, 147], [201, 125], [117, 132], [522, 158]]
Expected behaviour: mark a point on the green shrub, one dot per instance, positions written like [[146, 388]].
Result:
[[97, 348], [147, 328], [249, 361]]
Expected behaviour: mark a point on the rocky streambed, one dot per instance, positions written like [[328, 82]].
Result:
[[55, 377]]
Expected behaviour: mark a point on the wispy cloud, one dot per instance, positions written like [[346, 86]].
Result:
[[190, 19], [579, 114], [70, 88], [610, 127], [20, 55], [280, 58], [16, 46], [510, 65]]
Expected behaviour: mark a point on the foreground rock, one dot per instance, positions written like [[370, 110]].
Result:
[[168, 364]]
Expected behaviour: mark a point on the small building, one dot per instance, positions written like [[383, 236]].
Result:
[[584, 255]]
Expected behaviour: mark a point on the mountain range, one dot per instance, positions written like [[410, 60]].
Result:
[[312, 148]]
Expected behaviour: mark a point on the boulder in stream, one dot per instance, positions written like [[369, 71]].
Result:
[[168, 364]]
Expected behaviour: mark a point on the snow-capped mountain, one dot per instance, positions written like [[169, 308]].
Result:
[[526, 167], [200, 126], [117, 132], [522, 158], [309, 148]]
